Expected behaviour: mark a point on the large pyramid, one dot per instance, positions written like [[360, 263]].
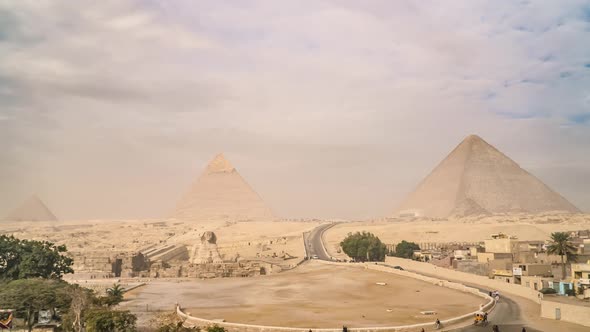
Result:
[[476, 178], [220, 193], [33, 209]]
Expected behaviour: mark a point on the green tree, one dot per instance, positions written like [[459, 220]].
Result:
[[406, 249], [561, 244], [216, 328], [104, 320], [22, 259], [28, 296], [114, 295], [170, 322], [364, 247]]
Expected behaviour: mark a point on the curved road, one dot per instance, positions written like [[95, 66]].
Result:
[[314, 243], [506, 314]]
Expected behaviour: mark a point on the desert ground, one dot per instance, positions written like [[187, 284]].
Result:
[[264, 238], [472, 229], [314, 295], [247, 239]]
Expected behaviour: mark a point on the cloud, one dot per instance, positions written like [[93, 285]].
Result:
[[351, 101]]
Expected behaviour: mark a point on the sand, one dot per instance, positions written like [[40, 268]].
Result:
[[524, 227], [314, 296]]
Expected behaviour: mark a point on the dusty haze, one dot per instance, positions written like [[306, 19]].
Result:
[[327, 109]]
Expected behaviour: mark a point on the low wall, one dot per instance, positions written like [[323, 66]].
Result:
[[237, 327], [439, 272], [568, 312]]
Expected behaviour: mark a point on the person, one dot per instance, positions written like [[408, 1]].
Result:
[[495, 328], [422, 330], [485, 319], [437, 324], [523, 329]]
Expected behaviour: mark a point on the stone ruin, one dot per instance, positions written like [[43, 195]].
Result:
[[168, 261]]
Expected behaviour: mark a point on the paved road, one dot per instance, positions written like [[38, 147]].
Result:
[[314, 243], [506, 314]]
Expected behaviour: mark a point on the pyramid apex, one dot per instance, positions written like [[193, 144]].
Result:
[[220, 165], [473, 138]]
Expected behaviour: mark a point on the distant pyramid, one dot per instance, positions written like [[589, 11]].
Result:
[[220, 193], [32, 209], [476, 178]]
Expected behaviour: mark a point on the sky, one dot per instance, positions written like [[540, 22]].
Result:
[[329, 109]]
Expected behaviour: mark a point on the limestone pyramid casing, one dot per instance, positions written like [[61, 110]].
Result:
[[33, 209], [220, 193], [476, 178]]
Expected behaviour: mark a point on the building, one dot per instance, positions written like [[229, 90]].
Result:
[[501, 244], [541, 270], [486, 257], [461, 254], [503, 275], [536, 282], [561, 287], [581, 278]]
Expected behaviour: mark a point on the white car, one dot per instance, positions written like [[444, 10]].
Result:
[[314, 257]]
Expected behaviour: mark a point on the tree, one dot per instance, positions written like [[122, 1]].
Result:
[[364, 247], [561, 244], [170, 322], [81, 300], [406, 249], [216, 328], [104, 320], [28, 296], [114, 295], [22, 259], [177, 327]]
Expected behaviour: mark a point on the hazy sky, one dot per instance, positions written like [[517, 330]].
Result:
[[110, 109]]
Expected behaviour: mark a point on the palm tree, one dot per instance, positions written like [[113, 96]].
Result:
[[115, 294], [561, 244]]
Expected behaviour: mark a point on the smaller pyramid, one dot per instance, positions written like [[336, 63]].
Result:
[[33, 209], [220, 193]]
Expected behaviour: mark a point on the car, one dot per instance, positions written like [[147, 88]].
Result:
[[314, 257], [397, 267]]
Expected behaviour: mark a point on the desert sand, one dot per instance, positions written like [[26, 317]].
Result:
[[473, 229], [313, 295], [248, 239]]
